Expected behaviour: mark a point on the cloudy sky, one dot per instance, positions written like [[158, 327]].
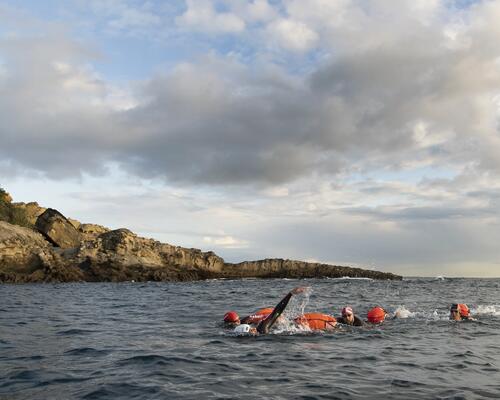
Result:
[[354, 132]]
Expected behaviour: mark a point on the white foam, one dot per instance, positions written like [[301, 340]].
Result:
[[403, 313], [350, 278], [484, 309]]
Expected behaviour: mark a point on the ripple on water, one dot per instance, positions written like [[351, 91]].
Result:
[[110, 341], [154, 359], [86, 352], [123, 390], [70, 332]]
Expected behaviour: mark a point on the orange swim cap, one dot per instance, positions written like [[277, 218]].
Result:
[[464, 310], [231, 316], [376, 315]]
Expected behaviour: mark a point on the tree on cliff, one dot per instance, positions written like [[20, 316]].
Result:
[[10, 213]]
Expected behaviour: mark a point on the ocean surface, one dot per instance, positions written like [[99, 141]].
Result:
[[165, 341]]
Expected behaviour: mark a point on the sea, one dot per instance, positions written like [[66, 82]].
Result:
[[166, 341]]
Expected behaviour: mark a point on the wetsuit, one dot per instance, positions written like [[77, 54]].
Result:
[[357, 321], [265, 325]]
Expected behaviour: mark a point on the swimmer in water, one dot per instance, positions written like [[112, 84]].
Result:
[[348, 318], [265, 325], [460, 312], [232, 319]]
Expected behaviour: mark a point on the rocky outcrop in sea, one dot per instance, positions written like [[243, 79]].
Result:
[[63, 250]]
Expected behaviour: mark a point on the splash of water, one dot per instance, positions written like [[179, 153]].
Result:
[[492, 309], [295, 308], [403, 313]]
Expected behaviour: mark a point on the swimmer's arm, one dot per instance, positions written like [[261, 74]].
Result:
[[266, 324], [358, 321]]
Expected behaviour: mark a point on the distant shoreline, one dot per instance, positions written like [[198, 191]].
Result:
[[52, 248]]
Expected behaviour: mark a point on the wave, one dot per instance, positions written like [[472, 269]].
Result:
[[350, 278]]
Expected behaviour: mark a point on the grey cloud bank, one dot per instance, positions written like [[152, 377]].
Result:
[[415, 97]]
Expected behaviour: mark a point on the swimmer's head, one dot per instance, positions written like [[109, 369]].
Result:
[[348, 315], [231, 317], [347, 311], [245, 329]]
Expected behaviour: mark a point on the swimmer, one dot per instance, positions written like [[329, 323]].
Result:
[[232, 319], [460, 312], [265, 325], [348, 318]]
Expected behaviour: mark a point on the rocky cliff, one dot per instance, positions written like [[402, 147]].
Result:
[[63, 250]]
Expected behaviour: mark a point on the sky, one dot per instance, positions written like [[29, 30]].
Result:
[[352, 132]]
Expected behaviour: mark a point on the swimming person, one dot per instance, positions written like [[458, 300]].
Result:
[[265, 325], [348, 318], [232, 319], [460, 312]]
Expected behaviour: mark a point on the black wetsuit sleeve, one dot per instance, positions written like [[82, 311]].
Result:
[[265, 325], [340, 320], [358, 321]]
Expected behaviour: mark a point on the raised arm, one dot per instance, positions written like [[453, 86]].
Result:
[[265, 325]]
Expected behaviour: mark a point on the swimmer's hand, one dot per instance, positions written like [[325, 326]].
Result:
[[299, 289]]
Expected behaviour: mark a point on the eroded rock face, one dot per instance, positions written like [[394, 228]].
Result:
[[26, 256], [91, 231], [57, 229], [279, 268], [33, 211], [94, 253]]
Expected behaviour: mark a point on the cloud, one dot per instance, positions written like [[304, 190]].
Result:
[[120, 17], [292, 35], [201, 16], [253, 11], [382, 104]]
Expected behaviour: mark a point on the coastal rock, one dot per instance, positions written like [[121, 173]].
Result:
[[123, 247], [279, 268], [104, 255], [57, 229], [21, 252], [91, 231], [32, 210]]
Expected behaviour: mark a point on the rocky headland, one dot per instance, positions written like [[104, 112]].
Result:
[[53, 248]]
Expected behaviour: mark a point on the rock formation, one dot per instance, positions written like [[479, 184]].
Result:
[[57, 229], [67, 251]]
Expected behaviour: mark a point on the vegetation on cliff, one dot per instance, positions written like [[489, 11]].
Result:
[[11, 213]]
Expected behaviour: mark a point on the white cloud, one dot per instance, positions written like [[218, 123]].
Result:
[[228, 242], [292, 35], [201, 16], [253, 11]]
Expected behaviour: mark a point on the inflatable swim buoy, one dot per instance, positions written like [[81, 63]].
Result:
[[258, 316], [376, 315], [317, 321], [265, 311]]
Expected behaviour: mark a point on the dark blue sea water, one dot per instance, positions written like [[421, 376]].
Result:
[[164, 341]]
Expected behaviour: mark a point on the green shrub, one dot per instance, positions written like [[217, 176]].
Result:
[[10, 213]]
